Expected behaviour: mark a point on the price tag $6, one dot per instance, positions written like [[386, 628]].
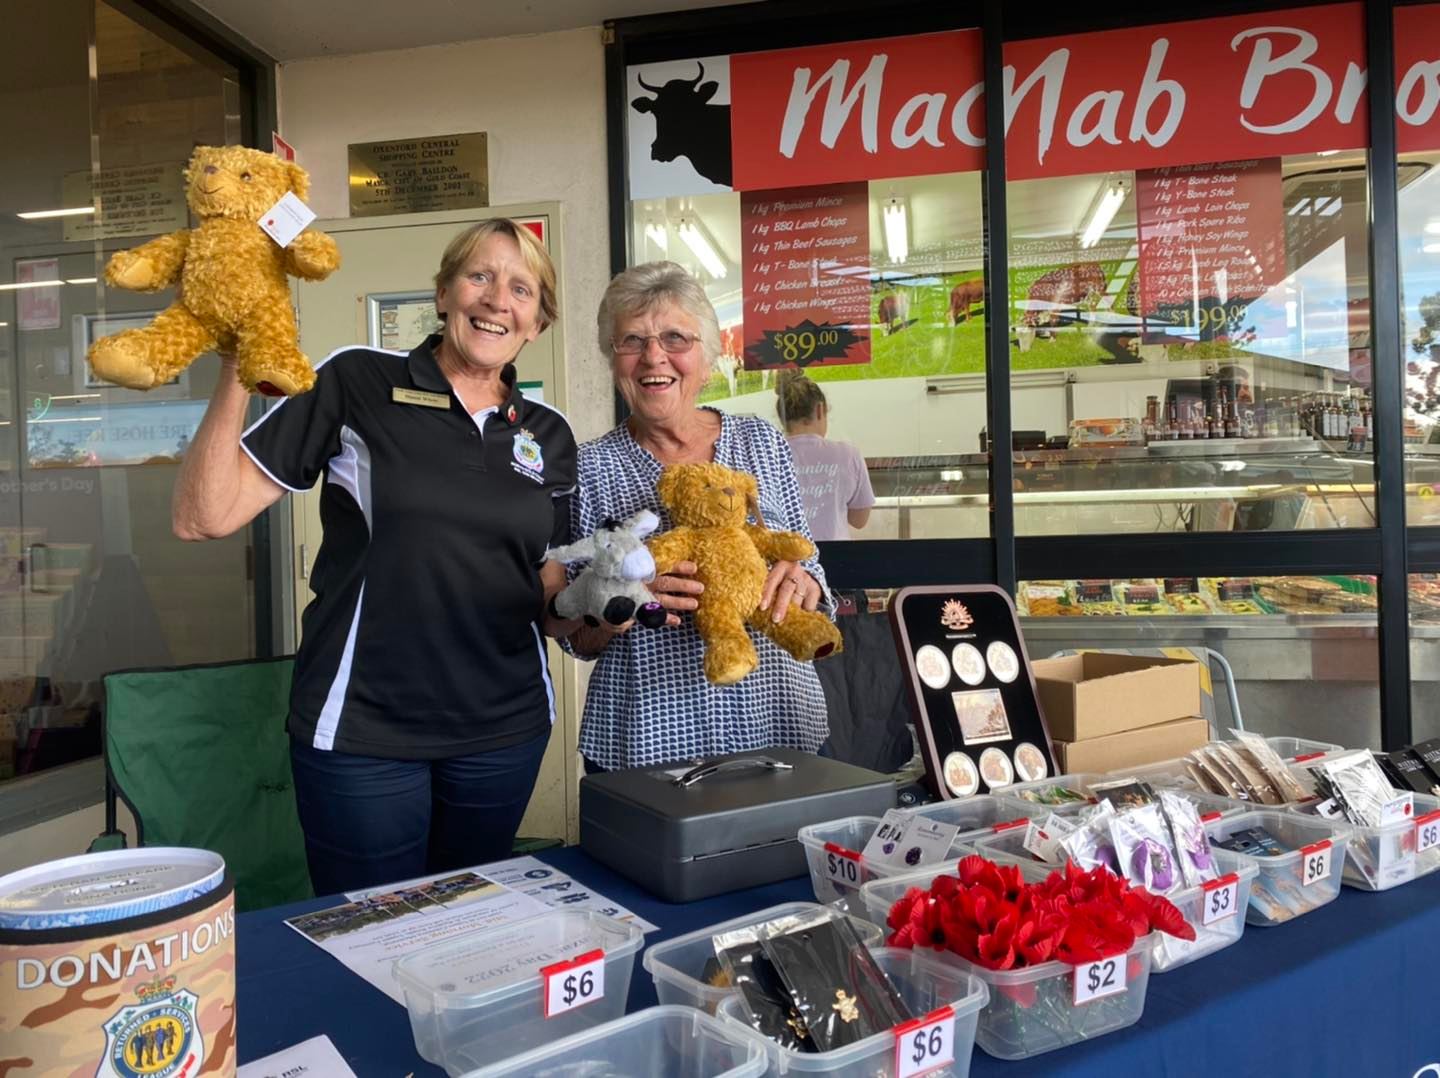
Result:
[[1315, 863], [572, 984], [1427, 832], [925, 1044]]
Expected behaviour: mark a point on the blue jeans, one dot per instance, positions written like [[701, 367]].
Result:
[[369, 821]]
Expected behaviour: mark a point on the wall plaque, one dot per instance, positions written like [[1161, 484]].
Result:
[[135, 200], [440, 172]]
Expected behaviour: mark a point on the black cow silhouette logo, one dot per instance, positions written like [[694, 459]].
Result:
[[687, 125]]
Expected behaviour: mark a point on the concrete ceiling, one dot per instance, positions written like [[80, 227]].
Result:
[[289, 31]]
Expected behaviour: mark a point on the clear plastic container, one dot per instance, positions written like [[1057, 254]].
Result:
[[925, 981], [1170, 953], [481, 996], [1290, 748], [677, 965], [676, 1042], [1279, 893], [1022, 796], [1032, 1010], [823, 843], [978, 815], [1379, 858]]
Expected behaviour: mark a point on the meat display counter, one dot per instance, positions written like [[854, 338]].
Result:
[[1224, 484]]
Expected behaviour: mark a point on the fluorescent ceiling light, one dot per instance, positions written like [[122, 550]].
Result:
[[701, 247], [14, 285], [74, 211], [1433, 227], [1431, 248], [80, 280], [897, 235], [1109, 204], [657, 235]]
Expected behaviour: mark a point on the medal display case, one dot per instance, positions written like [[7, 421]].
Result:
[[977, 715]]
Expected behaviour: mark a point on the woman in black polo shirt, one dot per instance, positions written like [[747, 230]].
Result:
[[422, 702]]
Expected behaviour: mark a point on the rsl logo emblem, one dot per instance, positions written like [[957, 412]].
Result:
[[156, 1038], [953, 615], [529, 461]]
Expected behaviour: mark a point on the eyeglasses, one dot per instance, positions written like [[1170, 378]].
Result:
[[672, 340]]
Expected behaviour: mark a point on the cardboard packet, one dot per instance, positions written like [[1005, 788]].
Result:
[[1270, 765]]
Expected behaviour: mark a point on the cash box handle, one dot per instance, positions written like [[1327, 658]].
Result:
[[705, 769]]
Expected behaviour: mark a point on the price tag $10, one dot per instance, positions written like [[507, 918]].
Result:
[[1427, 832], [1315, 863], [1220, 898], [925, 1044], [1096, 980], [842, 866], [573, 983]]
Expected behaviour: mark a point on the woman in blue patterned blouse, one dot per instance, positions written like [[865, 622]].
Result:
[[648, 701]]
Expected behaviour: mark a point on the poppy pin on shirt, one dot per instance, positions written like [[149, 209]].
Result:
[[510, 413]]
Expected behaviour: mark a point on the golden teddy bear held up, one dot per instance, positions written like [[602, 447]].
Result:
[[233, 293]]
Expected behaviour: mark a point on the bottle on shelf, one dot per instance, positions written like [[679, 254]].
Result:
[[1172, 419], [1152, 418], [1232, 419]]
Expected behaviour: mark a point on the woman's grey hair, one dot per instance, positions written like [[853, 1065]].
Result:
[[648, 286]]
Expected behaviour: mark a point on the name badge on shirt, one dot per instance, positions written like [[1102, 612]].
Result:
[[416, 396]]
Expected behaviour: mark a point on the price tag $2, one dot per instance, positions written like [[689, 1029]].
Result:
[[574, 983], [842, 866], [1315, 863], [1427, 832], [1220, 898], [1096, 980], [925, 1044]]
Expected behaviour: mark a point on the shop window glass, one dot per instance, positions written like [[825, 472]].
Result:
[[1303, 649], [1417, 72], [91, 579], [840, 242], [1189, 311]]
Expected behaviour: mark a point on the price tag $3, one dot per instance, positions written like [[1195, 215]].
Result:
[[572, 984], [1220, 898], [925, 1044]]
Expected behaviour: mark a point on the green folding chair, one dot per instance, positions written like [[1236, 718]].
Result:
[[200, 756]]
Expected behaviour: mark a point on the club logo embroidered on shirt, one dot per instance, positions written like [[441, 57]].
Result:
[[529, 461]]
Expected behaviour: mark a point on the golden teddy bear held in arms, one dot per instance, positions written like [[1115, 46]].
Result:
[[708, 504], [234, 295]]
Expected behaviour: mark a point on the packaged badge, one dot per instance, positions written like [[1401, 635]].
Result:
[[1143, 846], [839, 992], [1191, 843]]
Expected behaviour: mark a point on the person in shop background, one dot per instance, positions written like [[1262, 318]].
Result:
[[834, 481], [422, 703], [648, 701]]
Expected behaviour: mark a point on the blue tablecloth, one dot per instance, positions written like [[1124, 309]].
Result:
[[1347, 990]]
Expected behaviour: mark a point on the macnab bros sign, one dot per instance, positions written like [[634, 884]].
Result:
[[1248, 86]]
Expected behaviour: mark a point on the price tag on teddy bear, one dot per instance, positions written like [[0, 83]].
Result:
[[286, 219]]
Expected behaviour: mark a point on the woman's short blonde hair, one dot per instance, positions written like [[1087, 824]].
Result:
[[537, 260], [651, 285]]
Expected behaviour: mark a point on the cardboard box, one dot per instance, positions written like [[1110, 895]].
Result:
[[1098, 693], [1131, 748]]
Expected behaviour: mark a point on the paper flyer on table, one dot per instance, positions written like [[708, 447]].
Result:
[[315, 1058], [535, 878], [370, 934]]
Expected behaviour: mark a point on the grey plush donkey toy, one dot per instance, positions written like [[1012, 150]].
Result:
[[611, 588]]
